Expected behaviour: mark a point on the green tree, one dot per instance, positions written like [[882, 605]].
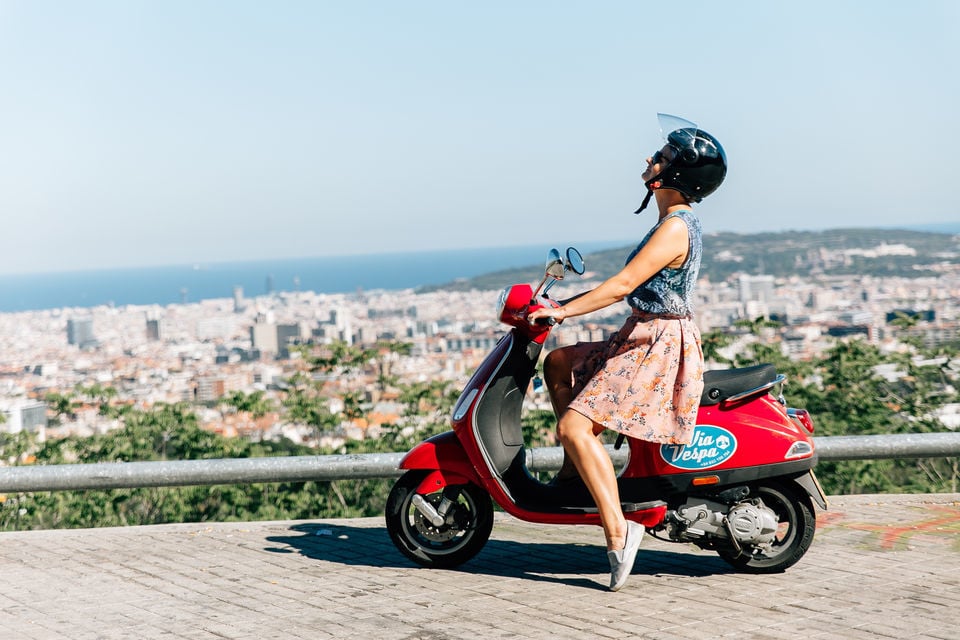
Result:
[[164, 432], [255, 403], [712, 343], [100, 395], [14, 447], [339, 356], [62, 405], [846, 396], [306, 399], [426, 411]]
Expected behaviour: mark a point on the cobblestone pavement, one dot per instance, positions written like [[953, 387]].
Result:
[[880, 567]]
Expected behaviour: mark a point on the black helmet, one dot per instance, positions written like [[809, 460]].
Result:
[[698, 166]]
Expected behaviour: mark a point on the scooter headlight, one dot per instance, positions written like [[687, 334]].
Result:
[[502, 302]]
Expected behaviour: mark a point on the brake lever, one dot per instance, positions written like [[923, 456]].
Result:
[[572, 298]]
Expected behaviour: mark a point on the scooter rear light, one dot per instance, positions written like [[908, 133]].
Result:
[[801, 417]]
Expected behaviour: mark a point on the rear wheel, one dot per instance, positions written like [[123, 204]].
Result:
[[466, 529], [796, 526]]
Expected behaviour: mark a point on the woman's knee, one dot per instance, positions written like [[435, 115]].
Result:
[[573, 426]]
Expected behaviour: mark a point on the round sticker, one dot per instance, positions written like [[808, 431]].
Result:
[[710, 446]]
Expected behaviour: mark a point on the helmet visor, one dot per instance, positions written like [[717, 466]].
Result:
[[669, 124]]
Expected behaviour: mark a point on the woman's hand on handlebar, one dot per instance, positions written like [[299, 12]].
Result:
[[547, 315], [553, 315]]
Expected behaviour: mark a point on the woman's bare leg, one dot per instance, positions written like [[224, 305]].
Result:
[[558, 375], [578, 434]]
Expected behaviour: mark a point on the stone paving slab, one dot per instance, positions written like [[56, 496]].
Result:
[[880, 567]]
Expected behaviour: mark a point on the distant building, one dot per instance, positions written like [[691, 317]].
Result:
[[471, 342], [218, 327], [236, 354], [924, 316], [933, 334], [209, 389], [154, 329], [794, 344], [80, 333], [756, 288], [263, 337], [848, 330], [882, 250], [859, 317], [274, 339], [287, 334], [25, 415], [239, 304]]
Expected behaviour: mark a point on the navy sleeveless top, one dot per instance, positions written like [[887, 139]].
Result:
[[670, 291]]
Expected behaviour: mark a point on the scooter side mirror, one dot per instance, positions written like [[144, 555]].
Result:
[[554, 267], [553, 271], [575, 261]]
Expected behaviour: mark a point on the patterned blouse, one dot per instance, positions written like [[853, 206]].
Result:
[[670, 291]]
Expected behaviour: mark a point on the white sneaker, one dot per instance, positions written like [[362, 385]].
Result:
[[621, 561]]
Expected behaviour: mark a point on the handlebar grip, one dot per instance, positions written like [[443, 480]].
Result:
[[549, 321]]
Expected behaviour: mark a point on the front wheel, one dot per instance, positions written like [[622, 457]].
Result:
[[466, 530], [796, 526]]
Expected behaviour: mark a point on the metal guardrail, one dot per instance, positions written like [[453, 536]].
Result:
[[171, 473]]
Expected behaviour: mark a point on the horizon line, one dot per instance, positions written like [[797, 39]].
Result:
[[932, 227]]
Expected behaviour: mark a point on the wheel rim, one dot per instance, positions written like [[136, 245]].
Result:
[[788, 524], [446, 539]]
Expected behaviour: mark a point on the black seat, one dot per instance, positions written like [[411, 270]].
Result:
[[725, 383]]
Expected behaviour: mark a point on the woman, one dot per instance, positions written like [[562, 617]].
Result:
[[646, 380]]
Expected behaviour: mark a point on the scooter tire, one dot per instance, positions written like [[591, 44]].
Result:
[[443, 547], [798, 521]]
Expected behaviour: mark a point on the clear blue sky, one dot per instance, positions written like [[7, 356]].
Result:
[[169, 132]]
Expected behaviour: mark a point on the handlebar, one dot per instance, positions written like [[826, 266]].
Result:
[[549, 322], [545, 321]]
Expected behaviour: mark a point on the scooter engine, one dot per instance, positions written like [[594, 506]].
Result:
[[748, 522], [753, 524]]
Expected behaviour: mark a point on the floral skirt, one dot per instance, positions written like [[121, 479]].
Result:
[[645, 381]]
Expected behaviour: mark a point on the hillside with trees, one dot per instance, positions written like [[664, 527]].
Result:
[[782, 254]]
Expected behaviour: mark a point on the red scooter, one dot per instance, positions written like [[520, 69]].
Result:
[[744, 487]]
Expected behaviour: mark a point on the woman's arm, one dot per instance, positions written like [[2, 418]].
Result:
[[668, 246]]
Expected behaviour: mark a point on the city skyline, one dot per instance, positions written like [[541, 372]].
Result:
[[146, 134], [202, 352]]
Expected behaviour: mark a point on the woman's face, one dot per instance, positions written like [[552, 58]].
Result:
[[658, 162]]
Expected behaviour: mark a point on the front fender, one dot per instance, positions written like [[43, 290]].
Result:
[[445, 458]]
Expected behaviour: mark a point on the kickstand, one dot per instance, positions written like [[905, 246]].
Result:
[[619, 443]]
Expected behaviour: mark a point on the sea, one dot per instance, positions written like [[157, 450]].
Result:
[[183, 284]]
